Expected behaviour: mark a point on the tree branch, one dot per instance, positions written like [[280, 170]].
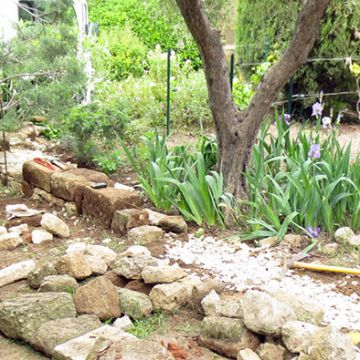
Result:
[[35, 74]]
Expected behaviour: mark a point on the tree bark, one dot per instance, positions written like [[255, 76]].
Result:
[[236, 131]]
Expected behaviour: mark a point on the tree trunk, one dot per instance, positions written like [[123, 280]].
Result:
[[236, 131]]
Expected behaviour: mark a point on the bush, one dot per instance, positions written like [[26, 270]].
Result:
[[119, 53], [265, 24], [306, 182]]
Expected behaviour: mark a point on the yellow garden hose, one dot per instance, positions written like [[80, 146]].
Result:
[[325, 268]]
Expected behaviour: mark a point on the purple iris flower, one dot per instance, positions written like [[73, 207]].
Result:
[[314, 151], [287, 118], [317, 109], [313, 232]]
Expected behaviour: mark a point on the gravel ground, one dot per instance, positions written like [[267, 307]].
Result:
[[243, 268]]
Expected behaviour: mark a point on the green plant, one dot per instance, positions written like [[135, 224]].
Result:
[[301, 183], [144, 328], [109, 162]]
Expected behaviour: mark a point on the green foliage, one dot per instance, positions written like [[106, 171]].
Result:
[[182, 179], [266, 24], [40, 73], [119, 53], [144, 328], [93, 129], [290, 190]]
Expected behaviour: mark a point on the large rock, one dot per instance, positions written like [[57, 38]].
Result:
[[136, 305], [69, 185], [174, 224], [116, 280], [126, 219], [146, 234], [100, 297], [269, 351], [73, 264], [343, 235], [56, 332], [40, 272], [132, 267], [58, 283], [305, 311], [264, 314], [213, 305], [124, 323], [330, 344], [131, 349], [136, 250], [139, 286], [247, 354], [81, 347], [15, 272], [204, 288], [54, 225], [21, 316], [297, 336], [97, 265], [38, 175], [227, 336], [10, 241], [162, 274], [103, 203], [104, 253], [39, 236], [173, 296]]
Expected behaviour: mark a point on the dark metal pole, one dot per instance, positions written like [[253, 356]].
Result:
[[168, 93], [232, 63], [4, 142]]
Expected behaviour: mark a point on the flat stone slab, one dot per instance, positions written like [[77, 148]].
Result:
[[15, 272], [103, 203], [80, 347], [21, 316], [38, 175]]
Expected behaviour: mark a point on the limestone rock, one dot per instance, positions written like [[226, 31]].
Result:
[[39, 272], [227, 336], [131, 349], [3, 230], [297, 336], [343, 235], [264, 314], [162, 274], [330, 344], [56, 332], [20, 229], [15, 272], [145, 234], [213, 305], [136, 305], [155, 217], [354, 241], [116, 280], [331, 249], [38, 175], [173, 296], [73, 264], [76, 247], [55, 225], [39, 236], [204, 288], [139, 286], [269, 351], [81, 347], [10, 241], [103, 252], [131, 267], [58, 283], [100, 297], [174, 224], [97, 265], [102, 203], [247, 354], [126, 219], [305, 311], [136, 250], [124, 323], [20, 317]]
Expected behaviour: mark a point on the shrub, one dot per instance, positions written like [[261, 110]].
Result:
[[301, 182]]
